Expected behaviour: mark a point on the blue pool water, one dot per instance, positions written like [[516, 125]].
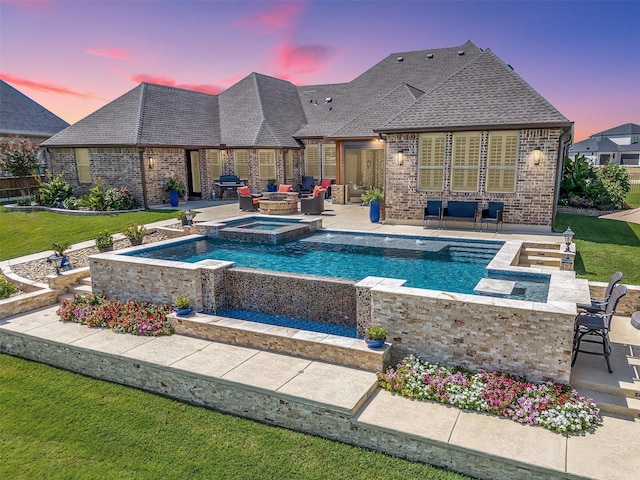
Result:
[[282, 321], [438, 264]]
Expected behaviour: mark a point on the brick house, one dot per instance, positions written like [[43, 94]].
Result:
[[449, 123]]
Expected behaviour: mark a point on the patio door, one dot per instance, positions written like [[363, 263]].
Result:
[[364, 164], [193, 173]]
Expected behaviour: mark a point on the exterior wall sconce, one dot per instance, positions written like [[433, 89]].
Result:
[[401, 153], [568, 238], [223, 147], [152, 163], [537, 155]]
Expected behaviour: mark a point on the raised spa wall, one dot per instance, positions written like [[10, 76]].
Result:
[[476, 332]]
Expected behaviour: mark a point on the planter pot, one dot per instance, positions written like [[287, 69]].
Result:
[[173, 198], [374, 212], [105, 249], [375, 343], [183, 311], [272, 188], [135, 242]]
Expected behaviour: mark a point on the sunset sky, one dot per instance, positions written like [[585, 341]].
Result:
[[73, 57]]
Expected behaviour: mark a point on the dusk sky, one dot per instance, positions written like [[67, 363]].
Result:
[[73, 57]]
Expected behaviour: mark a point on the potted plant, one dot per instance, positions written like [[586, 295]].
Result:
[[375, 335], [182, 216], [183, 305], [176, 190], [374, 197], [135, 233], [59, 260], [271, 185], [104, 241]]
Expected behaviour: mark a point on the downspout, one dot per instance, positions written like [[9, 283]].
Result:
[[562, 151], [143, 177]]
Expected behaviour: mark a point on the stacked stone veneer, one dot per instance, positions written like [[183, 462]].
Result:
[[472, 331], [476, 332], [532, 202]]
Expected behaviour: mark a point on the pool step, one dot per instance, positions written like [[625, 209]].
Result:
[[471, 254], [350, 352], [540, 254]]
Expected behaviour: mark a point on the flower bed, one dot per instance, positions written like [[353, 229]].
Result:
[[551, 405], [137, 318]]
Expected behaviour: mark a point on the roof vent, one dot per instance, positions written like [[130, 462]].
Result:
[[330, 108], [328, 100], [510, 67], [399, 59], [460, 53], [429, 56]]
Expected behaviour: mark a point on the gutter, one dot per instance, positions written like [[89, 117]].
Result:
[[563, 149], [143, 178]]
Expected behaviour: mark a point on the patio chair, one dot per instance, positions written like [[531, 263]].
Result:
[[307, 184], [493, 214], [326, 184], [433, 211], [596, 327], [247, 201], [599, 305], [313, 205]]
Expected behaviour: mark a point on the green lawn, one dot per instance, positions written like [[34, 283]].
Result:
[[604, 246], [57, 424], [22, 232]]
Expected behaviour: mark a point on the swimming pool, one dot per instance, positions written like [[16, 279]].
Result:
[[433, 263]]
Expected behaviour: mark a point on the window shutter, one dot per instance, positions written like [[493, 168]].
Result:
[[431, 162], [312, 161], [267, 164], [329, 161], [241, 158], [83, 165], [502, 156], [465, 162], [288, 164], [215, 164]]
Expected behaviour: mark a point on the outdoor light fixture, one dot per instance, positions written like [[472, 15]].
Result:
[[189, 216], [568, 238], [401, 154], [152, 163], [223, 147], [537, 155], [56, 260]]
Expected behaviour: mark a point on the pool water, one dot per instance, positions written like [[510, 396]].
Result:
[[437, 264]]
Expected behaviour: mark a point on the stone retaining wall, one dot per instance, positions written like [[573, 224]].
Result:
[[628, 304]]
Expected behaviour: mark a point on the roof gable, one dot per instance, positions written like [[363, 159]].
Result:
[[19, 115], [624, 129], [464, 100]]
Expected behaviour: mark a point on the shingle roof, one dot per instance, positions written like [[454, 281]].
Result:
[[19, 115], [485, 92], [624, 129], [148, 115], [594, 144]]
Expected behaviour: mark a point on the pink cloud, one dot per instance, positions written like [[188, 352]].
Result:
[[169, 82], [115, 53], [44, 87], [293, 60], [33, 5], [279, 16]]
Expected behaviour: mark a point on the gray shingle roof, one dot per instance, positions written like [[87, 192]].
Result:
[[624, 129], [594, 144], [485, 92], [19, 115]]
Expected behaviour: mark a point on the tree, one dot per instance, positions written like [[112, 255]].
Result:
[[20, 159]]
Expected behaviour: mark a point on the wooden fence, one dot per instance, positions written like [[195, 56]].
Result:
[[10, 186]]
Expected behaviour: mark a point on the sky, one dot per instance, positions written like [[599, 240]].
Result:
[[73, 57]]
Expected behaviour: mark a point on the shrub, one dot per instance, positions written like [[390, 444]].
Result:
[[137, 318], [372, 195], [54, 192], [551, 405], [72, 203], [60, 247], [134, 232], [119, 199], [6, 288], [182, 302], [95, 199], [173, 183], [104, 240], [376, 332]]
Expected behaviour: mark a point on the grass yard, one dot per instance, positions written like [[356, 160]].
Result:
[[23, 233], [58, 424], [604, 246]]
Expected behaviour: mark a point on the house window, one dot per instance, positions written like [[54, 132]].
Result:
[[82, 164], [267, 164], [431, 162], [465, 161], [329, 162], [312, 161], [241, 158], [215, 164], [502, 156], [288, 164]]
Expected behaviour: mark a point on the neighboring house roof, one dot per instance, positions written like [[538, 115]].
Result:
[[595, 144], [464, 100], [19, 115], [428, 89], [148, 115], [625, 129]]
